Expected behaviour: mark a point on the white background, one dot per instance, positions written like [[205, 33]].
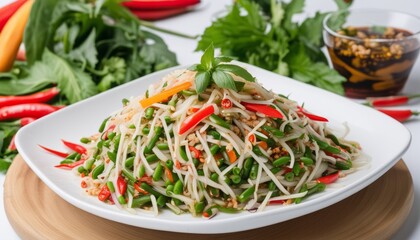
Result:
[[195, 22]]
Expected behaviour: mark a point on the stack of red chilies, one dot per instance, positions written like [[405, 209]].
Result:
[[159, 9], [402, 115], [25, 109]]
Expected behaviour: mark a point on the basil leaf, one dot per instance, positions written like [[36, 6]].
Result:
[[73, 82], [208, 56], [220, 59], [86, 53], [236, 70], [239, 85], [202, 81], [37, 29], [223, 80]]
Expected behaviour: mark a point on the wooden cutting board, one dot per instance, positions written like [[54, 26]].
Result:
[[376, 212]]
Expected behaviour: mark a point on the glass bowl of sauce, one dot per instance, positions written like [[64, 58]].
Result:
[[374, 49]]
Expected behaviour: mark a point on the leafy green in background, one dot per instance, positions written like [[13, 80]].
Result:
[[263, 33], [84, 47]]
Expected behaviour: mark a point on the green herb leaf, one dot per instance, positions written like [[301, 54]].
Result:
[[236, 70], [208, 57], [86, 53], [218, 60], [290, 9], [202, 81], [73, 82], [37, 29], [224, 80]]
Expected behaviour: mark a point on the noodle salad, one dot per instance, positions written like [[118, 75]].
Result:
[[209, 139]]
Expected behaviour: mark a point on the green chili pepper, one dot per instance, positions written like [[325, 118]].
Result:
[[157, 174], [274, 131], [256, 149], [151, 158], [236, 170], [215, 134], [183, 153], [199, 207], [149, 113], [162, 146], [272, 186], [219, 121], [214, 177], [129, 162], [178, 189], [145, 130], [89, 164], [72, 156], [247, 168], [142, 171], [117, 142], [146, 187], [169, 189], [140, 201], [128, 175], [290, 176], [307, 161], [103, 124], [111, 135], [121, 200], [275, 170], [343, 165], [97, 170], [81, 169], [153, 140], [85, 140], [254, 171], [169, 164], [236, 179], [281, 161], [161, 201], [245, 195], [110, 186], [214, 149], [304, 188], [112, 156], [188, 92], [296, 169]]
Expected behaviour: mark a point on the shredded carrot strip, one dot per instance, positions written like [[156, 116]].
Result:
[[263, 145], [168, 173], [165, 94], [232, 156]]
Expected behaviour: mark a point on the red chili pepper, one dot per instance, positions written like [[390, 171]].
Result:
[[276, 201], [197, 153], [110, 129], [55, 152], [329, 178], [7, 11], [264, 109], [139, 189], [226, 103], [34, 110], [71, 165], [158, 14], [39, 97], [159, 4], [146, 179], [104, 193], [25, 121], [122, 185], [196, 118], [399, 115], [390, 100], [75, 147], [312, 116]]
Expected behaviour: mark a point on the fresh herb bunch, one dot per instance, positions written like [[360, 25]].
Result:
[[215, 70], [84, 47], [262, 33]]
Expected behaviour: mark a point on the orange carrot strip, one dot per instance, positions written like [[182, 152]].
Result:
[[263, 145], [232, 156], [165, 94]]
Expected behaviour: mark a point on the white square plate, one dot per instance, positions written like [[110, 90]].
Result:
[[381, 137]]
